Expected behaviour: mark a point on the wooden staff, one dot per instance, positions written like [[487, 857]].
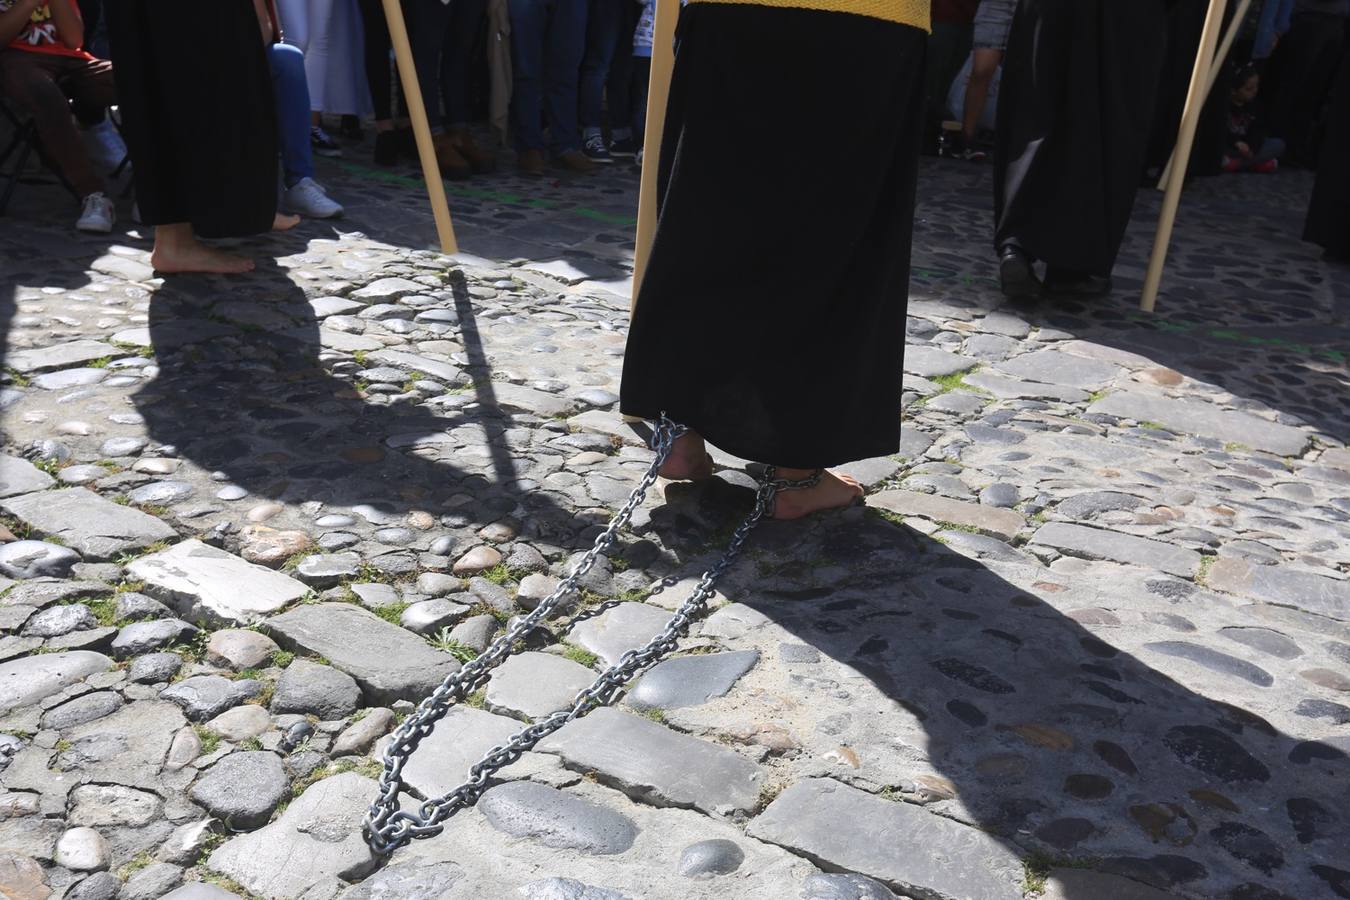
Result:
[[417, 111], [658, 90], [1229, 37], [1190, 118]]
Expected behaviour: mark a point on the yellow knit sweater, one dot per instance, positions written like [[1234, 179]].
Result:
[[906, 12]]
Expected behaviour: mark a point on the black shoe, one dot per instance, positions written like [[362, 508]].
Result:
[[623, 148], [386, 148], [1015, 275], [351, 128], [596, 151], [1069, 283], [322, 144], [406, 143]]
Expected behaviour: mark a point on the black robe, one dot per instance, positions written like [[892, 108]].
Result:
[[1329, 213], [1075, 108], [771, 318], [195, 93]]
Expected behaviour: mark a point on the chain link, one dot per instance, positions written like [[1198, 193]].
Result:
[[387, 827]]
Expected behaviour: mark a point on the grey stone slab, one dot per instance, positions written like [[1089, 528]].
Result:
[[309, 687], [442, 760], [126, 747], [318, 838], [1090, 504], [930, 362], [691, 680], [852, 830], [31, 679], [1206, 420], [1077, 884], [201, 580], [1002, 523], [19, 476], [200, 890], [388, 289], [535, 684], [36, 559], [243, 789], [1054, 367], [413, 362], [557, 819], [59, 356], [390, 663], [204, 697], [1097, 543], [408, 881], [870, 472], [557, 888], [1007, 388], [99, 529], [618, 630], [1282, 586], [518, 398], [657, 765]]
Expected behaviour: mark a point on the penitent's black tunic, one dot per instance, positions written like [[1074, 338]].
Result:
[[195, 93], [1328, 222], [771, 318], [1075, 107]]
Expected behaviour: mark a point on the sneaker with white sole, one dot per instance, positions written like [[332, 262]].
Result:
[[98, 214], [307, 198], [596, 151], [322, 143]]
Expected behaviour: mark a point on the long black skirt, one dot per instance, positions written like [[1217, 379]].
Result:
[[1075, 106], [1328, 222], [197, 110], [771, 318]]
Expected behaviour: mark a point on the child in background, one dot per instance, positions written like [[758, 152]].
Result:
[[1249, 148]]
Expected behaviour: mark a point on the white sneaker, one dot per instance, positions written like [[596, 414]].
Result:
[[98, 215], [105, 146], [307, 198]]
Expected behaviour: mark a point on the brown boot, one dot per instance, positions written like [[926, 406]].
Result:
[[482, 161], [574, 161], [531, 162], [452, 164]]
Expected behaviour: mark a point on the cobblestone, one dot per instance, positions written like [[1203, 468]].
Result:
[[1103, 618]]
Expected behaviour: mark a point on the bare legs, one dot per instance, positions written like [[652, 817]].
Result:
[[982, 69], [689, 459]]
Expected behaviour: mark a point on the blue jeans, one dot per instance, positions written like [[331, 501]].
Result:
[[292, 102], [602, 38], [548, 38]]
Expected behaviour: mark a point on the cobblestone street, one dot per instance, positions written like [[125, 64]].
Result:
[[1088, 638]]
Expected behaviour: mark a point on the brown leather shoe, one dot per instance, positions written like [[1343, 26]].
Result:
[[481, 160], [447, 157], [574, 161], [531, 162]]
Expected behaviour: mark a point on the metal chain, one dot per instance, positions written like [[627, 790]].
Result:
[[387, 827]]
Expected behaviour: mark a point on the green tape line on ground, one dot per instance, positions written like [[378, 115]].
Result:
[[484, 194]]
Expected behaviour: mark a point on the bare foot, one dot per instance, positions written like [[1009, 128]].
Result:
[[283, 222], [835, 490], [197, 257], [689, 459]]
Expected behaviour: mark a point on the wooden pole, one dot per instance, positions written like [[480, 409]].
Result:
[[1190, 118], [1219, 58], [417, 111], [658, 90]]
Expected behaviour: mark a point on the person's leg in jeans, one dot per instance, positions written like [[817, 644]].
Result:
[[427, 27], [564, 46], [602, 28], [290, 87], [529, 21], [642, 73], [620, 84], [462, 32]]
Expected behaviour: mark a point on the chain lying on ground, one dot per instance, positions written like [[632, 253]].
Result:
[[387, 827]]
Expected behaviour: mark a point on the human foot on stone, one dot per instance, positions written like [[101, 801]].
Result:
[[284, 222], [834, 491], [177, 250], [688, 460]]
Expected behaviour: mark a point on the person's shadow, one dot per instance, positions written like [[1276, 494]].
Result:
[[1027, 703], [243, 392]]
